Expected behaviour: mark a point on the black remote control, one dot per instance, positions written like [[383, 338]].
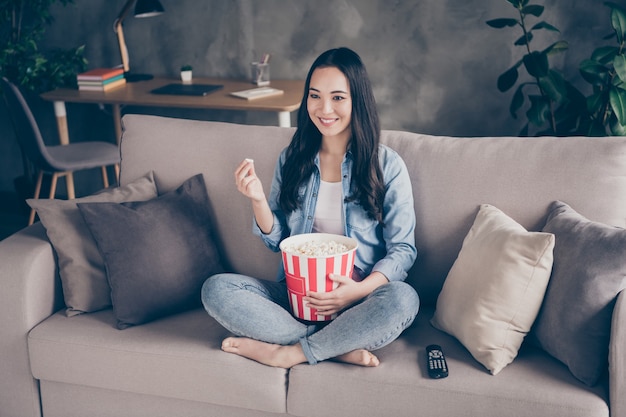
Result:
[[437, 365]]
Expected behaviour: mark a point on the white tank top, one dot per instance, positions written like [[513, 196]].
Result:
[[329, 209]]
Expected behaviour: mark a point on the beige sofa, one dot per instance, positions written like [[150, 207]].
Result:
[[57, 366]]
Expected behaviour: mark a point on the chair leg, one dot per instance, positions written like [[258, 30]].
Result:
[[53, 184], [117, 173], [31, 218], [105, 177], [69, 183]]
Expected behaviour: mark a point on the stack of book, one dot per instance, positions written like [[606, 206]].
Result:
[[101, 79]]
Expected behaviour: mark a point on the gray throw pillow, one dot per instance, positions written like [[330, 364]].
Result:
[[157, 253], [574, 324], [81, 268]]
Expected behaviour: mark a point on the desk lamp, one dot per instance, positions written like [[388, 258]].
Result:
[[143, 8]]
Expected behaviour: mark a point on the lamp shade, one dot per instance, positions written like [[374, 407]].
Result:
[[148, 8]]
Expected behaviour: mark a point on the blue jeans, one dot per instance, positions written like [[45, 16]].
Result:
[[260, 310]]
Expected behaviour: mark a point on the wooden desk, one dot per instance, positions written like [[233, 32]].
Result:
[[138, 94]]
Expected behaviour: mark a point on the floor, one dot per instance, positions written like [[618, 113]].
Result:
[[13, 214]]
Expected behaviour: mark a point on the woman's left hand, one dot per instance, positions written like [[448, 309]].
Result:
[[327, 303]]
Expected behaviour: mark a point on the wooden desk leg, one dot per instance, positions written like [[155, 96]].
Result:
[[61, 114], [64, 138], [117, 121], [284, 119]]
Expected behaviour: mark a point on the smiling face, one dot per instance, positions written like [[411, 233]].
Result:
[[329, 103]]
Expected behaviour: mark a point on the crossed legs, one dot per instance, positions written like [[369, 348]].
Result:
[[257, 313]]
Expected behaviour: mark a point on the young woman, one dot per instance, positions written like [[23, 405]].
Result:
[[334, 177]]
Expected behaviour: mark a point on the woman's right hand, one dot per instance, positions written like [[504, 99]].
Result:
[[247, 181], [250, 186]]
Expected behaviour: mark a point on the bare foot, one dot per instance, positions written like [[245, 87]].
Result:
[[359, 357], [265, 353]]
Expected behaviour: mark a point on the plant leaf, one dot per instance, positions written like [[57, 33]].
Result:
[[594, 102], [534, 9], [544, 25], [593, 72], [619, 63], [539, 110], [518, 3], [614, 5], [554, 86], [597, 129], [502, 23], [604, 54], [508, 79], [536, 64], [517, 101], [617, 98], [556, 47], [572, 117], [617, 129], [618, 21], [523, 40]]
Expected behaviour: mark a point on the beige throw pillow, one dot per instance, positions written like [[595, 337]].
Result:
[[495, 288]]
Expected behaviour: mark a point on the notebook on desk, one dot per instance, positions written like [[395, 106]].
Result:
[[187, 89]]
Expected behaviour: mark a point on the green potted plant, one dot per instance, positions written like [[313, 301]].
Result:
[[186, 73], [22, 25], [554, 105]]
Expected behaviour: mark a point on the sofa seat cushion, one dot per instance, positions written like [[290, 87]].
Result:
[[535, 384], [67, 400], [177, 357]]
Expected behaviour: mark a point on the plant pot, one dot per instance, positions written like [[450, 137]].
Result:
[[186, 76]]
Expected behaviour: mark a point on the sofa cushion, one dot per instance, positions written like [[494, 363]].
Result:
[[81, 267], [494, 290], [179, 357], [535, 384], [157, 253], [176, 357], [574, 323], [177, 149], [520, 176]]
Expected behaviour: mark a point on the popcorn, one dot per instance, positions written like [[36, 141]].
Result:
[[317, 249]]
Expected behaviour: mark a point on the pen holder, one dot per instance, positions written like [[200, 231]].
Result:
[[260, 73]]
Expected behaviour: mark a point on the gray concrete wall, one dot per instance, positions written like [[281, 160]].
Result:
[[433, 63]]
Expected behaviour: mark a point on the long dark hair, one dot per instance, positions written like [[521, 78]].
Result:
[[367, 188]]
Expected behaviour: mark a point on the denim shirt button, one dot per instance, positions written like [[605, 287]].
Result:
[[309, 217]]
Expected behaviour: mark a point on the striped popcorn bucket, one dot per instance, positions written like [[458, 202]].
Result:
[[310, 273]]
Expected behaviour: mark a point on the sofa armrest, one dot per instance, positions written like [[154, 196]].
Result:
[[30, 292], [617, 358]]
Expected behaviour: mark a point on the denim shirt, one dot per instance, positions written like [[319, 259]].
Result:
[[389, 249]]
